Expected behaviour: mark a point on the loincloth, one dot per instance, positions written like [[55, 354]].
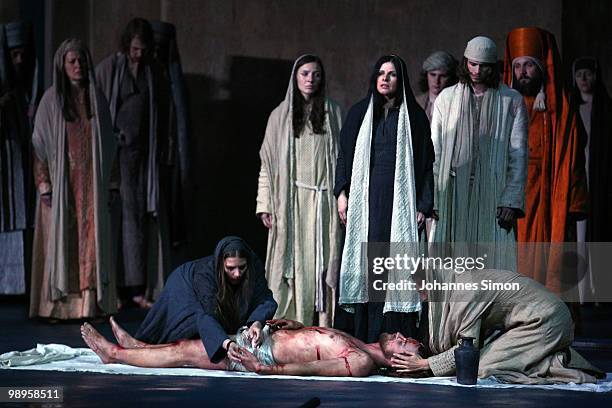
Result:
[[263, 353]]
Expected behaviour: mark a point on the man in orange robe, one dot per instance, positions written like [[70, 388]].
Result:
[[556, 190]]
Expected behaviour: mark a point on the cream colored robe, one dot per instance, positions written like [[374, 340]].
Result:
[[533, 338], [471, 183], [291, 189]]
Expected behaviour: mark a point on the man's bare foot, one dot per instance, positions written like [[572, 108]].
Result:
[[98, 344], [123, 338]]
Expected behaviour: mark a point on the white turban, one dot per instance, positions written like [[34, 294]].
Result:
[[481, 49]]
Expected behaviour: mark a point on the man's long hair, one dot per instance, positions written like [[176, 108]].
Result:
[[491, 79], [317, 112], [231, 297], [137, 27]]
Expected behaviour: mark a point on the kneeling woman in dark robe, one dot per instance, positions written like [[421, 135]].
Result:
[[211, 297], [384, 186]]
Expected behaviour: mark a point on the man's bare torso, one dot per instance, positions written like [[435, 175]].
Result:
[[312, 344]]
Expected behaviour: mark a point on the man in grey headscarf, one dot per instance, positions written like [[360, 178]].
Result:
[[20, 41], [479, 132], [18, 98], [438, 72]]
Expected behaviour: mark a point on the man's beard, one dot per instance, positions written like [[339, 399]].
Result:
[[527, 88]]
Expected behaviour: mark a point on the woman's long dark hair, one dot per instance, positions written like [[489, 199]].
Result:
[[317, 112], [402, 79], [230, 297]]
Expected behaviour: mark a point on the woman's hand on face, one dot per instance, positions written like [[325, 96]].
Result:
[[342, 207], [254, 334], [266, 219], [409, 362]]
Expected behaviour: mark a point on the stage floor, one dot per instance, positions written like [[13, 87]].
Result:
[[103, 390]]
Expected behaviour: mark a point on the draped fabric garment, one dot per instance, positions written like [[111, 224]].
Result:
[[556, 177], [54, 268], [524, 336], [412, 192], [481, 158], [15, 178], [295, 186], [139, 117], [598, 165]]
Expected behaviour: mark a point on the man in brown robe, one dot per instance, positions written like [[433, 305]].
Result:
[[555, 194]]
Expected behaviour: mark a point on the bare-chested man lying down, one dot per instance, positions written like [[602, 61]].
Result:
[[288, 348]]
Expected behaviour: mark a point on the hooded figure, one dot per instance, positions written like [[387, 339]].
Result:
[[298, 157], [198, 301], [556, 190], [384, 171], [72, 273], [15, 175], [597, 122], [590, 98], [523, 331], [20, 41]]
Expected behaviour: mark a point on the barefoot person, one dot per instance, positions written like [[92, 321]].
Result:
[[210, 297], [287, 348]]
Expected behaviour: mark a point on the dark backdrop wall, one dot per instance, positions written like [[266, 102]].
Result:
[[237, 56]]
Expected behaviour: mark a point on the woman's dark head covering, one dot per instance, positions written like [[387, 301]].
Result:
[[403, 83], [231, 244], [599, 89], [230, 301]]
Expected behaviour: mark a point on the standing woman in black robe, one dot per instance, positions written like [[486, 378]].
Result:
[[389, 130], [209, 298], [590, 99]]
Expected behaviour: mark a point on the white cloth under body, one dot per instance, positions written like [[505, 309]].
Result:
[[59, 357]]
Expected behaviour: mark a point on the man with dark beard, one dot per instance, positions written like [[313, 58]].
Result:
[[555, 194]]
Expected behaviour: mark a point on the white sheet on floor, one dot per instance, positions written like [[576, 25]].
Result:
[[59, 357]]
